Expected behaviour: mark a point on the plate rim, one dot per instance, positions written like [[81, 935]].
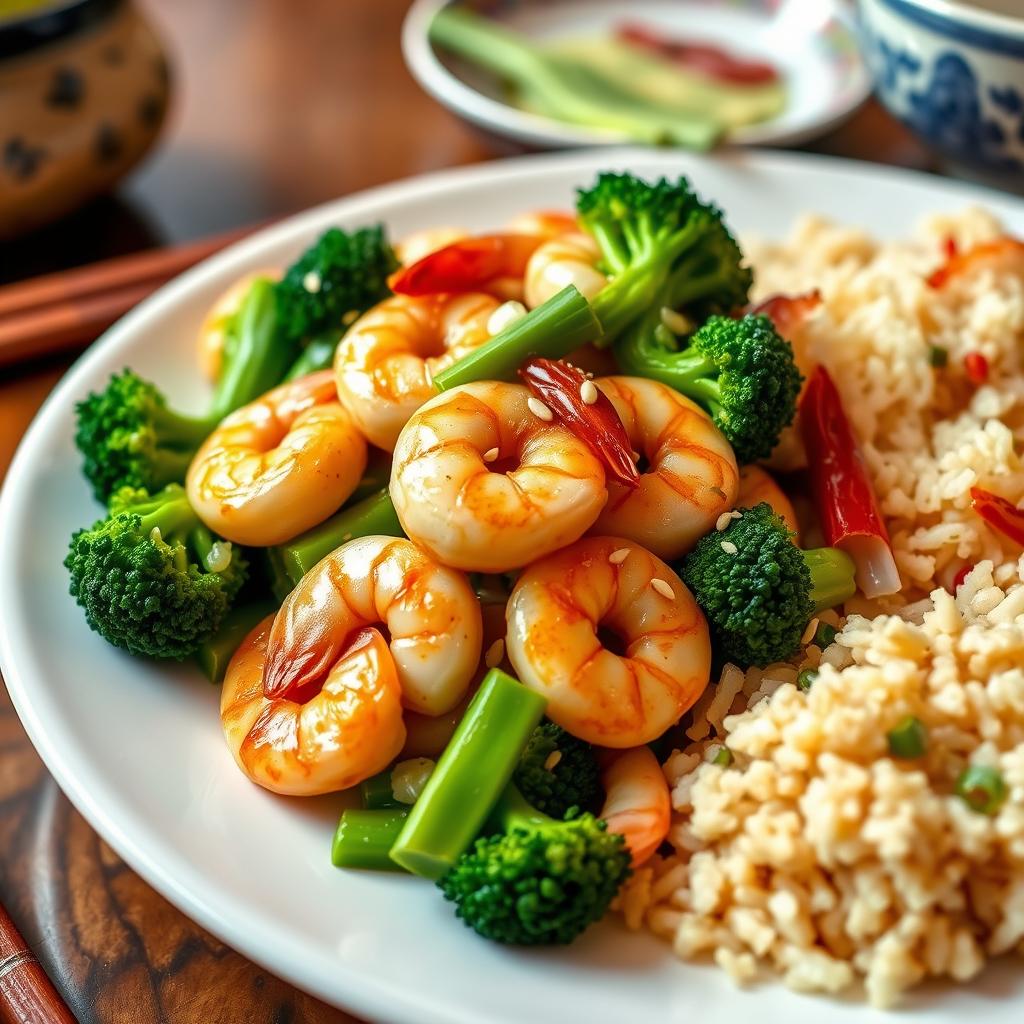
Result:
[[364, 996], [507, 122]]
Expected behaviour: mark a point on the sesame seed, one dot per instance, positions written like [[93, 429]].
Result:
[[155, 535], [588, 392], [428, 373], [619, 556], [729, 548], [311, 282], [812, 627], [663, 588], [539, 409], [490, 455], [736, 514], [347, 537], [723, 521], [492, 659], [552, 759]]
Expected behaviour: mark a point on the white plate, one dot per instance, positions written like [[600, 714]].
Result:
[[812, 42], [138, 748]]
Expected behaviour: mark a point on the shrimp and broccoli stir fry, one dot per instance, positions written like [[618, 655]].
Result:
[[466, 526]]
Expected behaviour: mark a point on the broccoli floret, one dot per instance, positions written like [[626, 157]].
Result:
[[758, 590], [661, 246], [558, 773], [540, 881], [741, 371], [150, 577], [129, 437], [341, 274]]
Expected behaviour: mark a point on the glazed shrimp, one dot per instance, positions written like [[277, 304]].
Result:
[[213, 330], [278, 466], [637, 803], [557, 617], [486, 485], [384, 365], [690, 477], [349, 729], [418, 244], [543, 223], [756, 485], [431, 614], [565, 259]]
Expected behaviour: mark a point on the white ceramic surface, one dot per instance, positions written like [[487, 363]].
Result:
[[138, 747], [812, 42]]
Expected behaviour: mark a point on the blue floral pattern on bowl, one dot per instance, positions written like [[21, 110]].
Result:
[[959, 86]]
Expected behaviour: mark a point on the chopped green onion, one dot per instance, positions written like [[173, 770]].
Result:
[[364, 839], [723, 757], [824, 634], [938, 356], [376, 792], [908, 738], [805, 680], [471, 774], [981, 788]]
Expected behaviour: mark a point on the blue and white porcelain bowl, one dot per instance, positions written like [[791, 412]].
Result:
[[953, 71]]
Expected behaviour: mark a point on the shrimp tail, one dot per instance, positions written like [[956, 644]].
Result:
[[303, 646]]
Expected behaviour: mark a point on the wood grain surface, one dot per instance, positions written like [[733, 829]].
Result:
[[279, 105]]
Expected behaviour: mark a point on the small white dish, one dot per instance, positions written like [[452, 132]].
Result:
[[813, 44], [137, 745]]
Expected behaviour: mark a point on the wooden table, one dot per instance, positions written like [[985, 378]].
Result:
[[280, 105]]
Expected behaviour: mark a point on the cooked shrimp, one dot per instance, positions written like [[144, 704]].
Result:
[[278, 466], [564, 260], [636, 801], [690, 477], [213, 330], [431, 614], [543, 223], [562, 608], [384, 365], [418, 244], [756, 485], [349, 729], [484, 483]]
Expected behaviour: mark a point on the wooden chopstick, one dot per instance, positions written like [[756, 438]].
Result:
[[64, 311], [26, 993]]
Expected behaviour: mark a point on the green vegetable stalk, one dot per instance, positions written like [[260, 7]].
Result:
[[214, 653], [471, 774], [567, 89], [364, 838]]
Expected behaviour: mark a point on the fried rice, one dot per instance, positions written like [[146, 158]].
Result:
[[815, 853]]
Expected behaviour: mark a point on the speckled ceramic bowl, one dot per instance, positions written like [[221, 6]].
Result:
[[954, 73], [83, 90]]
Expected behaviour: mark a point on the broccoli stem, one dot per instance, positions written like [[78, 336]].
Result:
[[570, 90], [257, 357], [513, 810], [552, 330], [317, 355], [653, 353], [175, 519], [832, 577], [377, 792], [214, 653], [370, 517], [175, 429], [364, 838], [471, 774]]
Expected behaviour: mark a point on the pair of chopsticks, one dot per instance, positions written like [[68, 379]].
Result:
[[26, 994], [66, 311]]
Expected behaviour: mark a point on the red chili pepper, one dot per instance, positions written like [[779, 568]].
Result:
[[958, 579], [787, 312], [709, 60], [842, 488], [561, 388], [976, 368], [999, 513], [949, 247], [468, 265], [960, 262]]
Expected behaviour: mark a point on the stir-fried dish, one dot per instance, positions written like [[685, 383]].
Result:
[[611, 577]]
